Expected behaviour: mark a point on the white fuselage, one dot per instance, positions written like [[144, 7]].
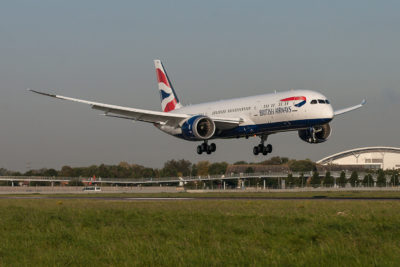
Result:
[[266, 113]]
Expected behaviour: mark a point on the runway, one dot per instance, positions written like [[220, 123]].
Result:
[[315, 198]]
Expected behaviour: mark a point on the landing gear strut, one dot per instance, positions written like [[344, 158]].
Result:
[[261, 148], [205, 147]]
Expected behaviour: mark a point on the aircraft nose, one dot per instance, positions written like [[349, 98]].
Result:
[[329, 112]]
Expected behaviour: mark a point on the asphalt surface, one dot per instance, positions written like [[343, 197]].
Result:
[[318, 198]]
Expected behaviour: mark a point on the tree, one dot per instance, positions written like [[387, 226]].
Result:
[[66, 171], [315, 180], [328, 179], [302, 165], [124, 164], [381, 180], [148, 172], [342, 181], [291, 181], [394, 180], [136, 171], [354, 179], [302, 180], [249, 170], [173, 167], [50, 172], [284, 160], [194, 170], [184, 166], [202, 168], [217, 168], [368, 181], [275, 161], [93, 170], [241, 162], [3, 171]]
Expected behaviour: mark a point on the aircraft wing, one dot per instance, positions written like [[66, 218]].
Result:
[[144, 115], [127, 113], [344, 110], [226, 123]]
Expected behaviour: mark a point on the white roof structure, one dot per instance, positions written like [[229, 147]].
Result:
[[368, 157]]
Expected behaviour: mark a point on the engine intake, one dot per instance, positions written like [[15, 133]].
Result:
[[198, 128], [316, 134]]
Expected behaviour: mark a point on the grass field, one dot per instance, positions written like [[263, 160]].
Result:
[[305, 194], [51, 232]]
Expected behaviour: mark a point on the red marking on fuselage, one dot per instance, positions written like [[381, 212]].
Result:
[[294, 98]]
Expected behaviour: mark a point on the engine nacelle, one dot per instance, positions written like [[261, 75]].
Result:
[[316, 134], [198, 128]]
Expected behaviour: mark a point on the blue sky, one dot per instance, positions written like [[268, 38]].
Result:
[[103, 51]]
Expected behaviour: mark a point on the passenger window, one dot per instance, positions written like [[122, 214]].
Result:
[[327, 101], [321, 101], [313, 101]]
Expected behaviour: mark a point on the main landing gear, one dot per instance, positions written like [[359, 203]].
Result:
[[261, 148], [205, 147]]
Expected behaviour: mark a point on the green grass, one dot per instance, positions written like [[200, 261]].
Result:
[[202, 233], [327, 194]]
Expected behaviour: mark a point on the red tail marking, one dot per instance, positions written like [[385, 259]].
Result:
[[170, 106], [162, 78]]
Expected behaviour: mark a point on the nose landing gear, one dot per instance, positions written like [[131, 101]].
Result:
[[261, 148], [205, 147]]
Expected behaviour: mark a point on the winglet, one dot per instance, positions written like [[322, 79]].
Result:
[[364, 102]]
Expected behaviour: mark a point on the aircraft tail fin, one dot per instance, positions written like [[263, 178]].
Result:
[[169, 99]]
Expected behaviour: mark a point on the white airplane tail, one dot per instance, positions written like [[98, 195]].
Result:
[[169, 99]]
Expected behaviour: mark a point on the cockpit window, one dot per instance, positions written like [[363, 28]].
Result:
[[313, 101], [321, 101], [327, 101]]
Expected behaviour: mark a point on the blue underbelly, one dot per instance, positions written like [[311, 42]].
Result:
[[270, 127], [266, 128]]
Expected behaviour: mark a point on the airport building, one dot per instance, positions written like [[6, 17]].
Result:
[[366, 157]]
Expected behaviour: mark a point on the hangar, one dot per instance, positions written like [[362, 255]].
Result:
[[367, 157]]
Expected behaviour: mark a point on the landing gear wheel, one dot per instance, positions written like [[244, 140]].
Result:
[[269, 148], [264, 151], [255, 150], [204, 147], [213, 147]]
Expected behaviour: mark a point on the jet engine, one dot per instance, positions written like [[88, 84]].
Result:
[[198, 128], [316, 134]]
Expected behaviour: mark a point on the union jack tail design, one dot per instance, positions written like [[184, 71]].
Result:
[[169, 99]]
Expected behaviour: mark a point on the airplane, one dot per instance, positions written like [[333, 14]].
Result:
[[305, 111]]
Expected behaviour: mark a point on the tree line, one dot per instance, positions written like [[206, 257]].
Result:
[[171, 168], [183, 168], [355, 180]]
